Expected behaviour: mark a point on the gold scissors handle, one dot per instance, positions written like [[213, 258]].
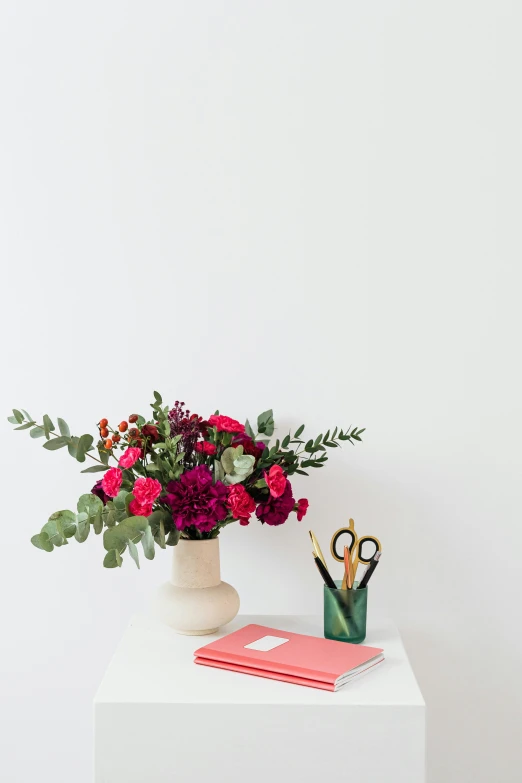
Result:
[[356, 545], [349, 531]]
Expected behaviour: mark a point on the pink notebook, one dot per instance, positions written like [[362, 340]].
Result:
[[292, 657]]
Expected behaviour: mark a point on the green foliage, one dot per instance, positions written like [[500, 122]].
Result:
[[249, 431], [236, 465], [128, 531], [112, 559], [96, 469], [41, 540], [64, 428], [148, 544], [84, 444], [55, 443], [265, 423]]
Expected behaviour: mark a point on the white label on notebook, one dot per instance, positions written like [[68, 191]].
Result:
[[266, 643]]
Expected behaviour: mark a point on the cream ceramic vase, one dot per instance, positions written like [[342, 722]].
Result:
[[195, 601]]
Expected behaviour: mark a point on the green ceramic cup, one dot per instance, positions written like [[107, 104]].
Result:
[[345, 614]]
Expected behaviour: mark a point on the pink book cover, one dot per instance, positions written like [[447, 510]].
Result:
[[292, 657]]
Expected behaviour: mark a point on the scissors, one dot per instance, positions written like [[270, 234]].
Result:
[[356, 546]]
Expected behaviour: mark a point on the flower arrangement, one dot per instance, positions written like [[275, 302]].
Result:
[[178, 475]]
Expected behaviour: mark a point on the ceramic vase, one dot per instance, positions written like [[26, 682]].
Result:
[[195, 601]]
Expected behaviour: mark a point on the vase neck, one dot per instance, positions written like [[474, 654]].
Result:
[[196, 563]]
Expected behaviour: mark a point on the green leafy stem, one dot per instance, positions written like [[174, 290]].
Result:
[[307, 454], [78, 447]]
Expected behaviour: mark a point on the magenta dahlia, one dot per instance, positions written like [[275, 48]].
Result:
[[196, 501]]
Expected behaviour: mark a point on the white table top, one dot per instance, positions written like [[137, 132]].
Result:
[[153, 664]]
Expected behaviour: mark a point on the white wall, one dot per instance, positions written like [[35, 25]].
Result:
[[313, 206]]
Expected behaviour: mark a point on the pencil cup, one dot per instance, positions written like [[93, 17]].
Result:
[[345, 614]]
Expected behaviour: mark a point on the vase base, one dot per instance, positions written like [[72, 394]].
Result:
[[195, 611]]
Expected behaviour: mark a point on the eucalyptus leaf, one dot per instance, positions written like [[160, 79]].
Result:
[[119, 500], [64, 428], [41, 540], [148, 544], [116, 538], [249, 431], [25, 426], [227, 459], [65, 522], [265, 422], [104, 456], [82, 530], [12, 419], [72, 447], [18, 416], [90, 504], [55, 443], [96, 469], [136, 524], [299, 431], [160, 538], [98, 522], [84, 444], [219, 473], [29, 418], [47, 425], [173, 537], [54, 531], [133, 552], [112, 559]]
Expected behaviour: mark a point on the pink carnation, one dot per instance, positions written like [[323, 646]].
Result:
[[139, 510], [276, 480], [226, 424], [301, 508], [241, 504], [146, 490], [111, 482], [129, 457]]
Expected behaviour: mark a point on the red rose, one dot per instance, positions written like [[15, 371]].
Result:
[[301, 508], [204, 447], [150, 431], [276, 480], [241, 504], [225, 424]]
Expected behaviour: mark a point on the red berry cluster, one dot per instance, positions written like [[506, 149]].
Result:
[[111, 436]]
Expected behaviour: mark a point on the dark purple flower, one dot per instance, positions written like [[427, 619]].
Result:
[[99, 492], [277, 510], [189, 426], [195, 500]]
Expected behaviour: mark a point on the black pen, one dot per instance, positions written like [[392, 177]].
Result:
[[374, 562], [329, 582]]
